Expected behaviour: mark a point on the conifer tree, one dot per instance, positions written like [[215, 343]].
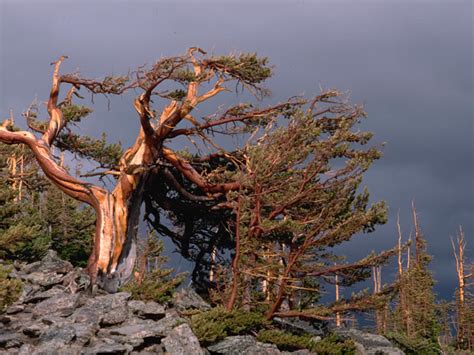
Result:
[[70, 225], [464, 298], [299, 197], [415, 323], [35, 215], [22, 233]]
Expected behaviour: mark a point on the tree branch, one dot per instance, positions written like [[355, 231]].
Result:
[[192, 175], [56, 121]]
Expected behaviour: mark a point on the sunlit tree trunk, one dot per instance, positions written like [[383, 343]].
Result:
[[338, 314]]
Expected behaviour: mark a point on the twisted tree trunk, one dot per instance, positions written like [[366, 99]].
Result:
[[114, 249], [117, 211]]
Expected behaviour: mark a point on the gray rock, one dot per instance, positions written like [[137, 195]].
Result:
[[187, 298], [148, 310], [10, 340], [301, 327], [107, 346], [138, 332], [62, 305], [76, 280], [384, 351], [34, 330], [52, 263], [182, 341], [87, 314], [17, 321], [149, 350], [40, 296], [84, 333], [58, 335], [55, 320], [56, 340], [43, 279], [111, 307], [15, 308], [369, 344], [28, 290], [262, 348], [26, 349], [243, 345], [109, 301], [132, 330], [115, 316], [233, 345]]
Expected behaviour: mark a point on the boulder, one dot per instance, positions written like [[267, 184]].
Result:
[[10, 340], [298, 326], [43, 279], [368, 343], [62, 304], [40, 296], [243, 345], [107, 309], [107, 346], [34, 330], [187, 298], [147, 310], [15, 308], [182, 341], [51, 263]]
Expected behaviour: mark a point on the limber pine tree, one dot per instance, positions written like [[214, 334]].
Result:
[[299, 196], [198, 78]]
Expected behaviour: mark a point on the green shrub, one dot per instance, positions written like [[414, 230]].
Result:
[[218, 323], [284, 340], [10, 289], [330, 345], [414, 345]]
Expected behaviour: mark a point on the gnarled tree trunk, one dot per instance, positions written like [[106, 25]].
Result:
[[114, 248]]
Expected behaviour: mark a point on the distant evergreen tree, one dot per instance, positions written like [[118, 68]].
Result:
[[70, 226], [22, 232], [36, 216], [415, 324]]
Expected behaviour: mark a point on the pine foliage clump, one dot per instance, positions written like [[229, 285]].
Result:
[[10, 289], [217, 323], [22, 229], [285, 341], [36, 216]]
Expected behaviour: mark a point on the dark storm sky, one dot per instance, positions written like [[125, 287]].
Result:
[[410, 62]]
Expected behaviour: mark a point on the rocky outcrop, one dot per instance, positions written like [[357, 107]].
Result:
[[243, 345], [56, 314], [369, 344]]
